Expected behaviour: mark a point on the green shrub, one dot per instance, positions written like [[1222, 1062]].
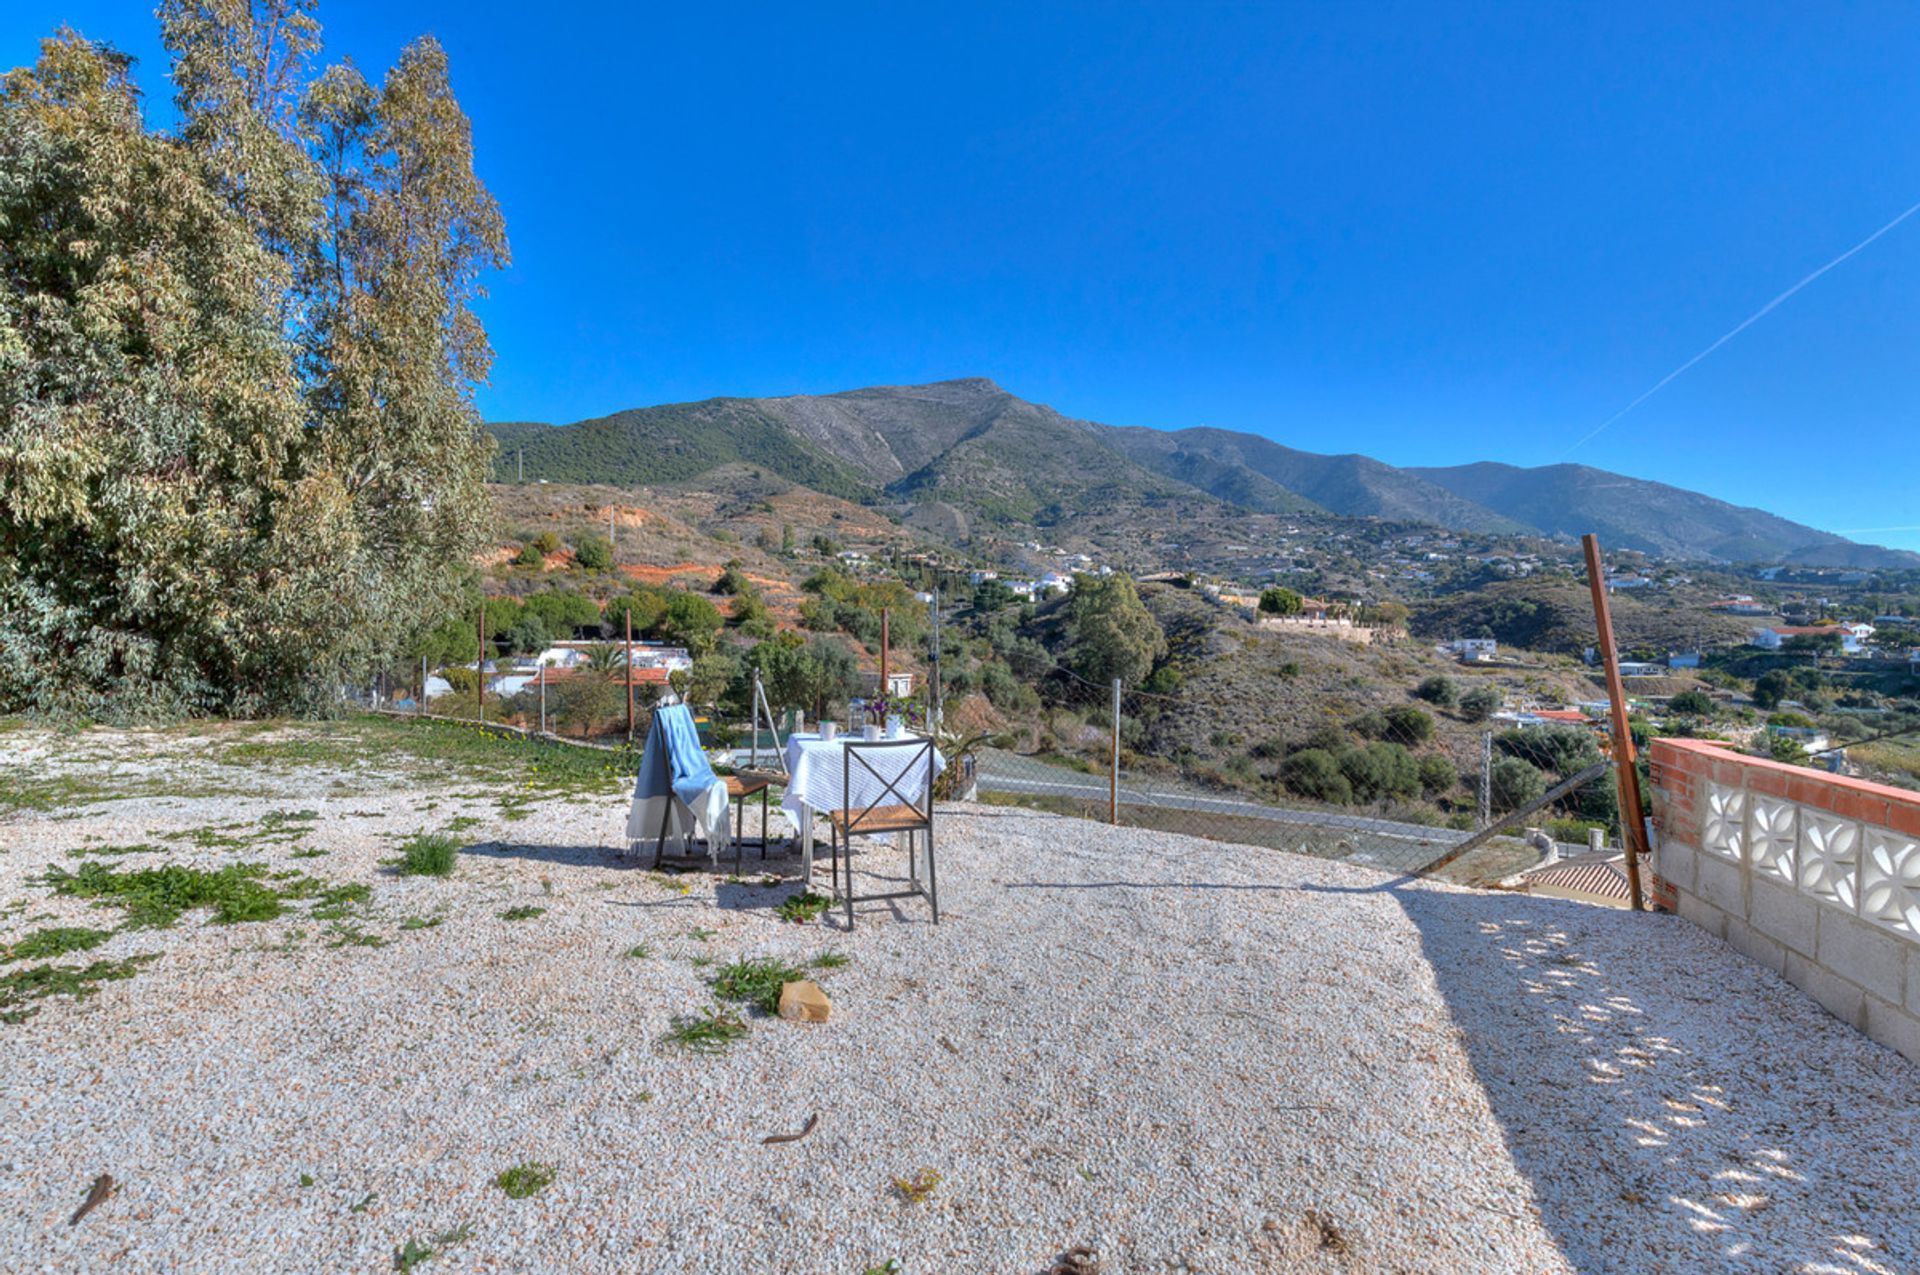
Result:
[[1313, 773], [1514, 783], [1408, 724], [1479, 703], [1437, 774], [1438, 690], [430, 854]]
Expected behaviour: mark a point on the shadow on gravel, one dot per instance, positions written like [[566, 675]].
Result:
[[571, 856], [1665, 1105]]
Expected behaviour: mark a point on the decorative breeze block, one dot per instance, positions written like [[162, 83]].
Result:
[[1890, 881], [1829, 857], [1726, 828], [1775, 828]]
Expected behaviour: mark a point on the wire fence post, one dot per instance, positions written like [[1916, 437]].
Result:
[[1486, 778], [480, 670], [420, 705], [629, 669], [543, 698], [1633, 832], [1113, 773]]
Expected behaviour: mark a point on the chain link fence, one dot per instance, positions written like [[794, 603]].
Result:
[[1402, 787]]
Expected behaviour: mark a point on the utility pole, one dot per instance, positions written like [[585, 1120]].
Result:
[[1633, 821], [480, 667]]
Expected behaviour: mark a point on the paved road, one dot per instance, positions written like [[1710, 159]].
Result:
[[1009, 773]]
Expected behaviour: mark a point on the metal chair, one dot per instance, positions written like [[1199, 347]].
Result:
[[898, 806]]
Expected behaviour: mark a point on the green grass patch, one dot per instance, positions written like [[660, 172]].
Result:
[[830, 960], [522, 912], [804, 907], [712, 1032], [20, 988], [56, 941], [756, 982], [421, 922], [430, 854], [525, 1179], [638, 952]]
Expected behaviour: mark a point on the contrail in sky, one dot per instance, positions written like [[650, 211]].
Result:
[[1743, 325]]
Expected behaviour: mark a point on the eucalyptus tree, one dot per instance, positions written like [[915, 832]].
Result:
[[240, 461]]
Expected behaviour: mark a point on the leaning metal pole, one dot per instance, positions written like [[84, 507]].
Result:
[[1633, 822], [1113, 771]]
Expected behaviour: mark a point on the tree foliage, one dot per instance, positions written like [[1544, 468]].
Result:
[[1110, 632], [239, 458], [1277, 600]]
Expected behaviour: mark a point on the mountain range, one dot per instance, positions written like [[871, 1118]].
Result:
[[965, 455]]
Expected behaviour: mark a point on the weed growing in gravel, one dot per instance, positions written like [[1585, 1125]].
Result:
[[306, 1179], [37, 982], [638, 952], [430, 854], [830, 960], [336, 901], [366, 1202], [702, 935], [801, 908], [522, 912], [710, 1033], [756, 982], [81, 852], [918, 1187], [421, 922], [701, 962], [342, 934], [411, 1255], [55, 941], [155, 897], [889, 1267], [460, 823], [529, 1177], [308, 853]]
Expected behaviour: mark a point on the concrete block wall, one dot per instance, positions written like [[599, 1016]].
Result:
[[1815, 876]]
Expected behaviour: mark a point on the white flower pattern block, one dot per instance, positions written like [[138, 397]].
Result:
[[1890, 881], [1772, 836], [1726, 830], [1829, 857]]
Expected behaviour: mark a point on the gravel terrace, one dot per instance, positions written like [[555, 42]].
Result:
[[1184, 1055]]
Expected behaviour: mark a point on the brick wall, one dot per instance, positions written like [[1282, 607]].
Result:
[[1815, 876]]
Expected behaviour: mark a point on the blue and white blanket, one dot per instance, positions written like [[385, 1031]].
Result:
[[677, 784]]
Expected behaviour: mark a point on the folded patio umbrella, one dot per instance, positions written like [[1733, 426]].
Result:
[[677, 784]]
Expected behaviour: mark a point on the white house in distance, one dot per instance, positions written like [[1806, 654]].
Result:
[[1853, 637], [1471, 649]]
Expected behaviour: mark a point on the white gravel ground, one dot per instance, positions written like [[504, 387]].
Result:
[[1187, 1056]]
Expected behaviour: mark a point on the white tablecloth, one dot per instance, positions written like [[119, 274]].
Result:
[[816, 776]]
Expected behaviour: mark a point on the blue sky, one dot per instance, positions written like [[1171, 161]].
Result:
[[1432, 233]]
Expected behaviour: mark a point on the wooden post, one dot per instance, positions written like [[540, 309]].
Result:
[[480, 667], [885, 635], [629, 675], [1113, 770], [1633, 822]]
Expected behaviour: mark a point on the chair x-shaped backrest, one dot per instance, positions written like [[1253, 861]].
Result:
[[890, 785]]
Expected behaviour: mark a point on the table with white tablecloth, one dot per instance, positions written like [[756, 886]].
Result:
[[817, 772]]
